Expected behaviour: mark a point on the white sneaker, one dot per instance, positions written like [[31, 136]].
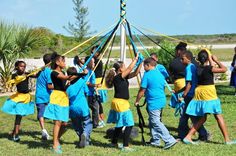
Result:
[[45, 135], [101, 124]]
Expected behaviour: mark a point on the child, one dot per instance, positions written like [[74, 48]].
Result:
[[92, 100], [155, 95], [191, 82], [58, 107], [19, 104], [43, 91], [177, 69], [79, 110], [77, 63], [205, 99], [102, 91], [120, 112]]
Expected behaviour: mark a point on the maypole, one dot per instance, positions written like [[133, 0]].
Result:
[[122, 30]]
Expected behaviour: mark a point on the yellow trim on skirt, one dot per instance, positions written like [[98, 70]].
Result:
[[98, 81], [120, 105], [60, 98], [179, 84], [21, 97], [205, 92]]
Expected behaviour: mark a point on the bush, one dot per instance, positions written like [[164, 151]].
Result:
[[164, 57]]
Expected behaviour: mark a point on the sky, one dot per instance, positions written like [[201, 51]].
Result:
[[171, 17]]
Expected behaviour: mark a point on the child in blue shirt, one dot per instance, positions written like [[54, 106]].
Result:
[[188, 93], [42, 95], [92, 100], [155, 95], [79, 110]]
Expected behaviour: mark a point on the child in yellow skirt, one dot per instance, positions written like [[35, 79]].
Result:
[[205, 99], [20, 103], [120, 112], [58, 107]]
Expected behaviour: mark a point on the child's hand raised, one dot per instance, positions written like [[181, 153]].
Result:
[[214, 58]]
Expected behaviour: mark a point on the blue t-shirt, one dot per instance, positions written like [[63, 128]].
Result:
[[163, 71], [191, 76], [154, 83], [77, 98], [92, 80], [42, 92]]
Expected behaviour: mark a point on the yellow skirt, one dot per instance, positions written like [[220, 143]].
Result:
[[58, 107], [60, 98], [205, 92], [19, 104], [21, 97], [120, 105], [179, 84]]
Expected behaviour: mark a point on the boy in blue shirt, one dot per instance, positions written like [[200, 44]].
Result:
[[79, 110], [92, 100], [188, 93], [43, 91], [155, 96]]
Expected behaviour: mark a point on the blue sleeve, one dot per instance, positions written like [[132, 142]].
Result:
[[189, 74], [48, 76], [144, 82], [163, 71], [93, 79]]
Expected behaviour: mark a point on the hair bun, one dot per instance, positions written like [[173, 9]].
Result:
[[54, 55]]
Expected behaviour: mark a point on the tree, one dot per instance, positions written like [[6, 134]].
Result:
[[15, 42], [81, 27]]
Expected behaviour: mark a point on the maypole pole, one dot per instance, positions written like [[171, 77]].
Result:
[[122, 30]]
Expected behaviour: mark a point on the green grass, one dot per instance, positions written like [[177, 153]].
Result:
[[31, 143], [224, 54]]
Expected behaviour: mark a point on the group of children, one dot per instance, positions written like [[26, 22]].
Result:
[[58, 97], [61, 96], [196, 81]]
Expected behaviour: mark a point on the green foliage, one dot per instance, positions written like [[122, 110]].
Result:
[[81, 27], [223, 77], [164, 57], [15, 42]]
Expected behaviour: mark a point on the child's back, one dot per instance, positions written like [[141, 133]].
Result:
[[78, 102], [42, 91]]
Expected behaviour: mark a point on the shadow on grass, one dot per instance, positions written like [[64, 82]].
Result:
[[36, 144], [100, 144], [224, 90]]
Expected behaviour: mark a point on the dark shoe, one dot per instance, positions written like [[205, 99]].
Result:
[[206, 138], [169, 145]]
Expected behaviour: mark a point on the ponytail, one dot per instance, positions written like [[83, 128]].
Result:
[[110, 77]]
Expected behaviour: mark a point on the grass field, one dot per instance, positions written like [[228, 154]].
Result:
[[31, 143]]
